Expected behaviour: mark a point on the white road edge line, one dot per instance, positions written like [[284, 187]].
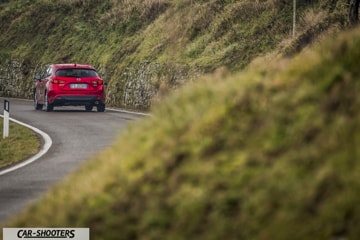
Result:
[[109, 109], [46, 146], [129, 112]]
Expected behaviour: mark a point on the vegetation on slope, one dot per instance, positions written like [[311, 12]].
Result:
[[270, 153], [184, 38]]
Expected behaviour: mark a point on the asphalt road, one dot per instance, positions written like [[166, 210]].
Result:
[[76, 136]]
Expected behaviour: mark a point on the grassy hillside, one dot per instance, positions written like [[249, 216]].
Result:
[[159, 44], [270, 153]]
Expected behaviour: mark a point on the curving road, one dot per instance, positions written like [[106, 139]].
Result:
[[76, 136]]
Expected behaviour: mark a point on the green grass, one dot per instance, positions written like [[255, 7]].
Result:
[[269, 153], [182, 36], [21, 144]]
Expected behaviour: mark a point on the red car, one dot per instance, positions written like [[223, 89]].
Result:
[[69, 85]]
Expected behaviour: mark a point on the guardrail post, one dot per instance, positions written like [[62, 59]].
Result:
[[6, 118]]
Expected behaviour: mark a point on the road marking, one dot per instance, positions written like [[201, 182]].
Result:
[[45, 148], [107, 108], [129, 112]]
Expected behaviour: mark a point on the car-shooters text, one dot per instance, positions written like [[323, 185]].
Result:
[[42, 233]]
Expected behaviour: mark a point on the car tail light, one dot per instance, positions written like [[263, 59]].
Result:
[[57, 81], [97, 82]]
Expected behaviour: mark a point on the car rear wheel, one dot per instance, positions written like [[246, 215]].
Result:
[[89, 108], [101, 107], [36, 104], [48, 107]]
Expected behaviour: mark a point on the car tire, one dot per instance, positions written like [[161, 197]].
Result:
[[101, 107], [36, 104], [89, 107], [48, 107]]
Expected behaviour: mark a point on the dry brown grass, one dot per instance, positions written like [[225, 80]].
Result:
[[311, 18], [125, 8]]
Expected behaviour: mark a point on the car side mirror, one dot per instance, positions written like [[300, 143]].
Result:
[[37, 78]]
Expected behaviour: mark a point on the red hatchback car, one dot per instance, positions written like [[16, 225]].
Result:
[[69, 85]]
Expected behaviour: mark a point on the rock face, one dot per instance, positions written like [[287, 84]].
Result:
[[136, 87], [16, 78]]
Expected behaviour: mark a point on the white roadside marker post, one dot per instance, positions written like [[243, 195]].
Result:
[[6, 118], [294, 19]]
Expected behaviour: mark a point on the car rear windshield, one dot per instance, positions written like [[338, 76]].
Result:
[[76, 72]]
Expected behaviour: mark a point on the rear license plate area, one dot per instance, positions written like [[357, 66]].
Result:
[[78, 85]]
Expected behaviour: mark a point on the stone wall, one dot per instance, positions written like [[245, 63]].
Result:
[[136, 87], [139, 86], [17, 78]]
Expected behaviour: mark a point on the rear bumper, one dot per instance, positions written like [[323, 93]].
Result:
[[76, 100]]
